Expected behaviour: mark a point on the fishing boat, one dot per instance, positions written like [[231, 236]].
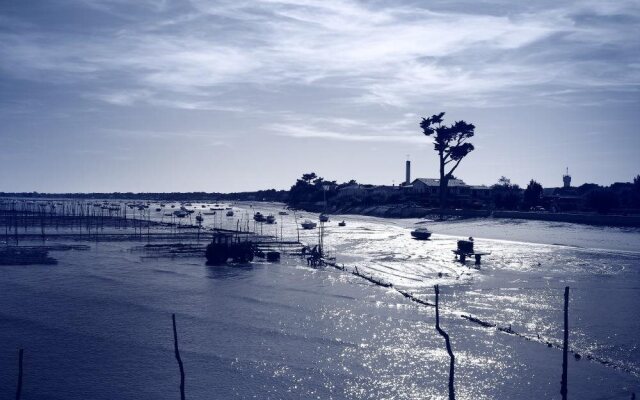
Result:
[[324, 218], [308, 224], [342, 223], [271, 219], [230, 213], [259, 217], [421, 234]]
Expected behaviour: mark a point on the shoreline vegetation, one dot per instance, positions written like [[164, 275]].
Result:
[[398, 210], [616, 205], [409, 211]]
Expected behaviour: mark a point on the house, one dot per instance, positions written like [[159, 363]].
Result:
[[431, 187], [355, 190], [480, 192]]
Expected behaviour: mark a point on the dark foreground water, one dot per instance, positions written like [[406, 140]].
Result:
[[98, 324]]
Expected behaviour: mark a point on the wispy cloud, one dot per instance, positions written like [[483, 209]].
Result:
[[345, 129], [395, 54]]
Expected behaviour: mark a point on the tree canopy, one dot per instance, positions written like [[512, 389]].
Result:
[[449, 140], [451, 143], [533, 194]]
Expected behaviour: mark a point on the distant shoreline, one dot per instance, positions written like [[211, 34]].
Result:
[[406, 211]]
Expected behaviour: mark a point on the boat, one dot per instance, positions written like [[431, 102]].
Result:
[[308, 224], [259, 217], [230, 213], [283, 213], [324, 218], [342, 223], [271, 219], [158, 209], [199, 218], [421, 234], [180, 213]]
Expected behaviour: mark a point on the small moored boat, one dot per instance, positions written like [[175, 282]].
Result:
[[308, 224], [421, 234], [342, 223]]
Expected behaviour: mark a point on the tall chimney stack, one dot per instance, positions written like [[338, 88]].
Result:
[[408, 173]]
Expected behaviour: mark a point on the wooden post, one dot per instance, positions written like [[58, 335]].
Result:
[[565, 345], [177, 352], [452, 394], [19, 386]]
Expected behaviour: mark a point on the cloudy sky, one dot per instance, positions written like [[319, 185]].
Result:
[[231, 95]]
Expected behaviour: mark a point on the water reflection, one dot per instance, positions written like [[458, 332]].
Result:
[[230, 271]]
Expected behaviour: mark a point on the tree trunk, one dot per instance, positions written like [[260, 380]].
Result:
[[443, 185]]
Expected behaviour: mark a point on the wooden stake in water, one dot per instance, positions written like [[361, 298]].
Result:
[[177, 352], [565, 345], [19, 386], [452, 362]]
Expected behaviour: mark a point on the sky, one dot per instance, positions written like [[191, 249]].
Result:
[[235, 95]]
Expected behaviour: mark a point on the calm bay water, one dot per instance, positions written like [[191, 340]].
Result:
[[98, 324]]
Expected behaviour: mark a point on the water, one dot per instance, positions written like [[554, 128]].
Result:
[[98, 325]]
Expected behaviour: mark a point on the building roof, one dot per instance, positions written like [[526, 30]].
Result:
[[436, 182]]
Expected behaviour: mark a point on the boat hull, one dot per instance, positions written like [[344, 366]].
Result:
[[421, 235]]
